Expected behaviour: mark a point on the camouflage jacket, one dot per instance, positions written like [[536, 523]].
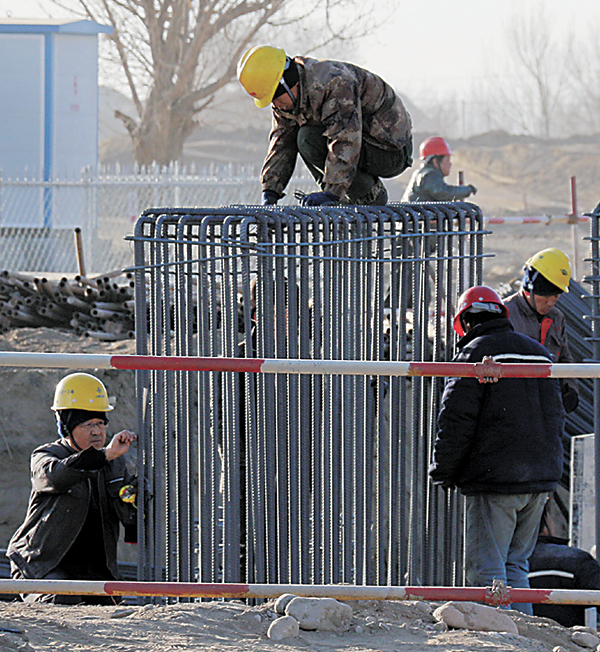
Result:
[[352, 104]]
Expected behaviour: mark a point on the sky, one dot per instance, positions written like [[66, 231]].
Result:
[[432, 46]]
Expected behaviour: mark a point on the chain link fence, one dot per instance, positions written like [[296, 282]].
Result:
[[37, 217]]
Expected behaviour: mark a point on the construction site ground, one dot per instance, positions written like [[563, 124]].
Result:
[[26, 421]]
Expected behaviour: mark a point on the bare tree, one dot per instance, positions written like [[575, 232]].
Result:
[[540, 73], [176, 54]]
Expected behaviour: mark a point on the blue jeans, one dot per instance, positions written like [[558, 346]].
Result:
[[502, 530]]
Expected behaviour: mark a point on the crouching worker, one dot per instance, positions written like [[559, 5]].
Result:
[[71, 527]]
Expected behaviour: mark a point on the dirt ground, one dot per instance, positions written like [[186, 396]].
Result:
[[377, 626]]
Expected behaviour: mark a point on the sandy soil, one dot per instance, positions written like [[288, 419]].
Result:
[[376, 626]]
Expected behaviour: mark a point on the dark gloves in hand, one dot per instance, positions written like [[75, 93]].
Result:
[[323, 198], [472, 188], [269, 198]]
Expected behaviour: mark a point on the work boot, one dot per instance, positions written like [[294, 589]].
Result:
[[377, 196]]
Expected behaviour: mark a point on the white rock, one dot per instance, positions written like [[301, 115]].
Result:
[[559, 648], [359, 629], [282, 602], [325, 614], [585, 639], [440, 626], [283, 627], [122, 613], [478, 617]]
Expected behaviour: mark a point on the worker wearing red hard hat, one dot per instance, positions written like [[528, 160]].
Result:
[[427, 183], [489, 441]]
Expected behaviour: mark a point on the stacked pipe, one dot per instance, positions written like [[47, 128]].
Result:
[[102, 307]]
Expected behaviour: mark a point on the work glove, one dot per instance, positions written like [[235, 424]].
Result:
[[269, 198], [472, 189], [323, 198]]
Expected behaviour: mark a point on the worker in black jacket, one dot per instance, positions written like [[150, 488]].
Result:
[[71, 528], [489, 442]]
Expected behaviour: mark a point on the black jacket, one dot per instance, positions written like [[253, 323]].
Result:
[[427, 184], [556, 565], [503, 437], [58, 506]]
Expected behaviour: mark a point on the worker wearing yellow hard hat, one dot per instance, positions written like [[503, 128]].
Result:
[[347, 124], [71, 528], [533, 311]]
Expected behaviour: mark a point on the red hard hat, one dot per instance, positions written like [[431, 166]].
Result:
[[478, 299], [434, 146]]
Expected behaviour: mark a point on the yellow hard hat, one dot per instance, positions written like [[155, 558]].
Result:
[[81, 392], [554, 266], [259, 71]]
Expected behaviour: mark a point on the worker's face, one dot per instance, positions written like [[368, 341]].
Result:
[[284, 102], [90, 433], [445, 165], [543, 305]]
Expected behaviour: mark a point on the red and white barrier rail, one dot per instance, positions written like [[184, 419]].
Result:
[[539, 219], [490, 595], [487, 369]]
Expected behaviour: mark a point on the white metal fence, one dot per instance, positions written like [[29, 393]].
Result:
[[37, 217]]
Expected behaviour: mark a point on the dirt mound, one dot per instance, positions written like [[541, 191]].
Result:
[[382, 626]]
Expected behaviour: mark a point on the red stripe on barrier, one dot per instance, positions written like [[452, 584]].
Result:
[[480, 370], [182, 363]]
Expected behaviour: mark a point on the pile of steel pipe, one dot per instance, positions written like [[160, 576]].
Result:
[[102, 307]]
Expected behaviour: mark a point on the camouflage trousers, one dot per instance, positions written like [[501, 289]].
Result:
[[373, 163]]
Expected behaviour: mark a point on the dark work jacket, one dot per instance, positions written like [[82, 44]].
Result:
[[556, 565], [58, 506], [427, 184], [504, 437], [550, 330]]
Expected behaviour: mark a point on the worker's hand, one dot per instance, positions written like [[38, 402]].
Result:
[[269, 198], [323, 198], [119, 444], [472, 189]]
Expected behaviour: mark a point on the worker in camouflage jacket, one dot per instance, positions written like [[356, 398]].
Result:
[[347, 124], [427, 183]]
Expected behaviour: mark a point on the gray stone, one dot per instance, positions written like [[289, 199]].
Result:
[[324, 614], [477, 617], [559, 648], [284, 627], [585, 639], [282, 602], [122, 613]]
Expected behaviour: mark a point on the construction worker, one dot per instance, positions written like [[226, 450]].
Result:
[[427, 183], [347, 124], [534, 313], [81, 490], [489, 441]]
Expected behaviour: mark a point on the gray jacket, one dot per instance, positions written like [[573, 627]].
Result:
[[550, 330], [427, 184], [58, 505]]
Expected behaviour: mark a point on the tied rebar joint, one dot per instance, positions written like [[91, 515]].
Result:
[[498, 595]]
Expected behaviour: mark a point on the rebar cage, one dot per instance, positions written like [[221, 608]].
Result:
[[298, 478]]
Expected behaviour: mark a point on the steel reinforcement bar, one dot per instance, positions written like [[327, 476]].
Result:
[[485, 369], [496, 595]]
